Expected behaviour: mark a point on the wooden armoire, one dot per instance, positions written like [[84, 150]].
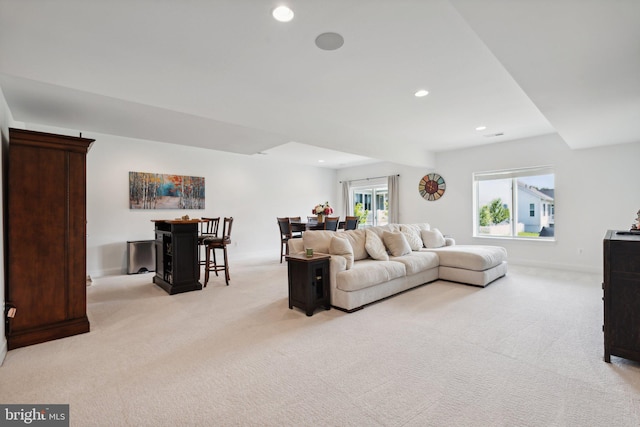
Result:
[[45, 230]]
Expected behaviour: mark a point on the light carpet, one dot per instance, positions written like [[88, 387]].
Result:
[[525, 351]]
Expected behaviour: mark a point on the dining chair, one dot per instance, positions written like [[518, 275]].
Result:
[[351, 222], [214, 243], [312, 219], [285, 234], [295, 232], [208, 228], [331, 223]]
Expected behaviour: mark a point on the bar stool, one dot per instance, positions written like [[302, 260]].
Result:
[[208, 229], [214, 243]]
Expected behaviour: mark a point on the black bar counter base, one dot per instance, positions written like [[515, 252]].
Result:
[[177, 261]]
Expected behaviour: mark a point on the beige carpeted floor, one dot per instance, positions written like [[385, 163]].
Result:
[[525, 351]]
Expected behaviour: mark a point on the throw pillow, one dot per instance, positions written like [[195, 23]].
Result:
[[396, 243], [341, 246], [412, 234], [375, 247], [357, 239], [422, 226], [318, 240], [432, 238]]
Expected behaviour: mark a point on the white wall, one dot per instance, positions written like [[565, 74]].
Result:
[[254, 190], [596, 190], [5, 122]]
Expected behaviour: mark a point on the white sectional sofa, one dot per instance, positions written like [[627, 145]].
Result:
[[370, 264]]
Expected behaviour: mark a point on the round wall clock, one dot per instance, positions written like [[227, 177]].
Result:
[[432, 186]]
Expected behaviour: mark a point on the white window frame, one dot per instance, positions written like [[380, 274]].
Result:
[[374, 187], [510, 174]]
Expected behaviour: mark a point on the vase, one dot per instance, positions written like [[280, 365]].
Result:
[[320, 218]]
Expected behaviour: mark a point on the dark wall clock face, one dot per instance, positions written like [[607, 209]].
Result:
[[432, 186]]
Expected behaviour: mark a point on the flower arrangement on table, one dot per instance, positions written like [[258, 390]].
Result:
[[321, 210]]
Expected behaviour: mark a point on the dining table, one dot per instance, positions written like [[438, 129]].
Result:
[[301, 226]]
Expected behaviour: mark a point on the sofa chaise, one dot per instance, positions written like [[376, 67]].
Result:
[[374, 263]]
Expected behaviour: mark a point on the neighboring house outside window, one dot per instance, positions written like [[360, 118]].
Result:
[[516, 203], [537, 203]]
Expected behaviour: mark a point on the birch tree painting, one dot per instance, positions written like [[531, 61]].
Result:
[[164, 191]]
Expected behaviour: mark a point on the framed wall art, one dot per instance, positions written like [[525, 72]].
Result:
[[165, 191]]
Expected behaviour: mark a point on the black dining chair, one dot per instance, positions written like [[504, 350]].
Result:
[[297, 230], [214, 243], [285, 234], [331, 223], [351, 222]]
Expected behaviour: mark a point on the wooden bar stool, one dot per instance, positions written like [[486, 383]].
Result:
[[214, 243], [208, 229]]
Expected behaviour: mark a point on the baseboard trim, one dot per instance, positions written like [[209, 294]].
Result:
[[3, 350], [556, 266]]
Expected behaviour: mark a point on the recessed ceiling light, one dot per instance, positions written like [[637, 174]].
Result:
[[421, 93], [320, 161], [481, 128], [282, 14]]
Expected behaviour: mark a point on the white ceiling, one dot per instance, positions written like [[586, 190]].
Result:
[[223, 74]]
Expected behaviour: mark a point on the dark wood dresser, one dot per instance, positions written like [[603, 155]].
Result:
[[46, 237], [621, 295]]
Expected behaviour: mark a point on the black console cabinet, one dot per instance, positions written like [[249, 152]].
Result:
[[177, 264], [621, 295], [309, 282]]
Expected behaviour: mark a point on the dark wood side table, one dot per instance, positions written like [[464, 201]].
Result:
[[309, 282]]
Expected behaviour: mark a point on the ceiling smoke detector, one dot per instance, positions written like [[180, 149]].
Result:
[[329, 41]]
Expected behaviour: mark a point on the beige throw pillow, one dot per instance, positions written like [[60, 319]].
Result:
[[396, 242], [318, 240], [341, 246], [432, 238], [357, 239], [375, 247], [412, 234]]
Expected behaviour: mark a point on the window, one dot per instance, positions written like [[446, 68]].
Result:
[[371, 204], [518, 203]]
